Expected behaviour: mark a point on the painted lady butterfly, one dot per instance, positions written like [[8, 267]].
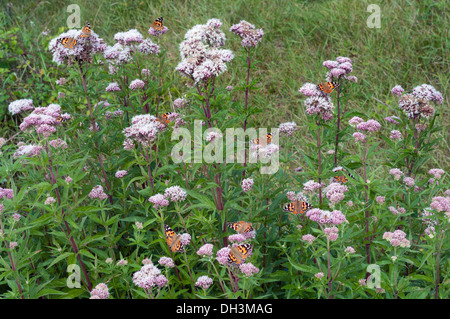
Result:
[[341, 178], [241, 227], [163, 119], [67, 42], [239, 254], [86, 31], [173, 240], [327, 87], [61, 119], [71, 42], [264, 141], [158, 24], [297, 207]]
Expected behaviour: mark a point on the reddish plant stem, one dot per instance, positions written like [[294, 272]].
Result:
[[83, 82], [367, 204], [67, 230], [246, 105], [319, 146], [338, 126]]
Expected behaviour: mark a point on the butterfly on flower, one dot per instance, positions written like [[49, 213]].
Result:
[[173, 240], [164, 118], [61, 119], [158, 24], [264, 141], [68, 42], [241, 227], [341, 178], [239, 254], [327, 87], [297, 207], [86, 31]]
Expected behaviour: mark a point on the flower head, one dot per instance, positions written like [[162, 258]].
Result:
[[204, 282], [247, 184], [20, 106], [175, 193]]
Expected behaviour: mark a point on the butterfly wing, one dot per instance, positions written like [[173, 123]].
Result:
[[173, 240], [327, 87], [241, 227], [266, 140], [340, 179], [68, 42], [158, 24], [297, 207], [239, 254], [86, 31], [163, 119], [61, 119]]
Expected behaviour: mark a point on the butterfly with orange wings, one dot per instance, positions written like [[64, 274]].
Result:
[[297, 207], [341, 178], [239, 254], [70, 43], [263, 141], [173, 240], [241, 227], [158, 24], [164, 118], [327, 87]]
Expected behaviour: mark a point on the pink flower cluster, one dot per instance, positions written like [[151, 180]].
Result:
[[396, 173], [320, 105], [149, 276], [409, 181], [180, 103], [121, 173], [136, 84], [6, 192], [249, 34], [396, 135], [335, 192], [20, 106], [332, 233], [143, 129], [339, 68], [436, 172], [440, 204], [288, 128], [222, 255], [248, 269], [205, 250], [58, 143], [166, 262], [334, 217], [44, 119], [83, 50], [247, 184], [309, 238], [97, 193], [158, 200], [204, 282], [397, 238], [397, 90], [175, 193], [397, 211], [28, 150], [370, 126], [202, 58], [100, 292], [311, 186], [392, 119], [112, 87]]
